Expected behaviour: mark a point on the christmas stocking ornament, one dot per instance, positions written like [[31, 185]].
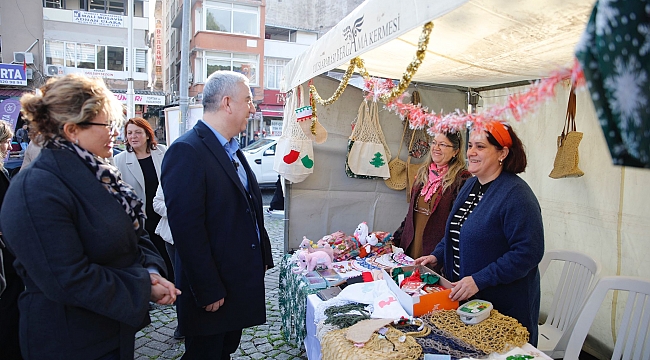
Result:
[[291, 157]]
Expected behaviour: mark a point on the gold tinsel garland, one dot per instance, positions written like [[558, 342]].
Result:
[[404, 83]]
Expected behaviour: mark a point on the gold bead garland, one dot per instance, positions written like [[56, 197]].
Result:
[[339, 91]]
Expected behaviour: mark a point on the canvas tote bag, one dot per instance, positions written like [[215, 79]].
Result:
[[294, 158], [566, 159], [369, 154]]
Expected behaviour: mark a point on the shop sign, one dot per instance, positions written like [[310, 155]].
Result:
[[143, 99], [276, 127], [12, 74], [99, 73], [92, 18]]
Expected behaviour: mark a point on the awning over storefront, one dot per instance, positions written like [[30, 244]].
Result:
[[9, 93], [272, 110]]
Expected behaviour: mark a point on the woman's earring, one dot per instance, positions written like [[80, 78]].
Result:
[[500, 162], [76, 142]]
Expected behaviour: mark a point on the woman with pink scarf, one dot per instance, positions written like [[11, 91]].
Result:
[[434, 191]]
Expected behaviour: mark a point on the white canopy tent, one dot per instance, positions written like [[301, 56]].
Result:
[[474, 43], [483, 45]]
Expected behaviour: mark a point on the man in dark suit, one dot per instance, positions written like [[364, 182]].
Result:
[[214, 208]]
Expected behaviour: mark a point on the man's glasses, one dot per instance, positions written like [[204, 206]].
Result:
[[112, 126], [435, 144]]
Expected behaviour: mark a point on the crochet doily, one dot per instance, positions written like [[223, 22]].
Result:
[[336, 347]]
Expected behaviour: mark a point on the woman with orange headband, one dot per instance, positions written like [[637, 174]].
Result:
[[494, 238]]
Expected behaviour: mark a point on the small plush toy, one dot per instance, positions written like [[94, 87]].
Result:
[[307, 244], [310, 261], [372, 239], [361, 233]]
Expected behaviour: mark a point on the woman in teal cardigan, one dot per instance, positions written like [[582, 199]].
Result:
[[494, 238]]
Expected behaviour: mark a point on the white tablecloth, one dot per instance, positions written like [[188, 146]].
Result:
[[312, 345]]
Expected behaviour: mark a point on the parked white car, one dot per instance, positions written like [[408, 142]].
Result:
[[260, 156]]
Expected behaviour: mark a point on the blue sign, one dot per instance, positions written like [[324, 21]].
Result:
[[12, 74]]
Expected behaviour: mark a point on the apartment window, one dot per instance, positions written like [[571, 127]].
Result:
[[54, 51], [115, 58], [140, 60], [55, 4], [108, 6], [232, 18], [273, 70], [85, 56], [101, 57], [242, 63], [70, 55]]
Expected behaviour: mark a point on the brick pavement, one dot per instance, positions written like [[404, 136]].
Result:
[[156, 341]]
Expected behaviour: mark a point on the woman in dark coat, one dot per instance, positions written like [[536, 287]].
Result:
[[9, 346], [495, 238], [434, 191], [76, 230]]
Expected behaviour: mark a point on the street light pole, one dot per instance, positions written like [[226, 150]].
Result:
[[129, 92], [185, 66]]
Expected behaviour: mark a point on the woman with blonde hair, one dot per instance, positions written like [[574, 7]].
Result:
[[434, 191], [76, 230], [9, 314]]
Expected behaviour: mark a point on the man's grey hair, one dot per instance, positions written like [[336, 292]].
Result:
[[219, 85]]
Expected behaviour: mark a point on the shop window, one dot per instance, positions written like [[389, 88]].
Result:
[[232, 18], [101, 57]]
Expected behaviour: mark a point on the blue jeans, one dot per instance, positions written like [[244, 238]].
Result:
[[23, 145]]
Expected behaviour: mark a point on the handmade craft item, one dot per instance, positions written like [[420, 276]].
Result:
[[497, 333], [397, 167], [309, 261], [392, 344], [368, 152], [566, 159], [321, 245], [295, 153]]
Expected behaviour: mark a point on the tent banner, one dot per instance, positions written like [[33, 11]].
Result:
[[371, 24]]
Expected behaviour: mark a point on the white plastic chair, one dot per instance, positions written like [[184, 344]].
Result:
[[632, 340], [576, 280]]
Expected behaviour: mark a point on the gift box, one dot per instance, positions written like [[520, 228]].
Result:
[[421, 304]]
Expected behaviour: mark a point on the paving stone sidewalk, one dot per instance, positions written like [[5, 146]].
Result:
[[156, 341]]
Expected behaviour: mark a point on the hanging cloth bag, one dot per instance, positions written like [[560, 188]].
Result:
[[294, 158], [566, 159], [397, 167], [369, 154]]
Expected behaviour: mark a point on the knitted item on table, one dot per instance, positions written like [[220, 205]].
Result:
[[335, 346], [439, 342], [346, 315], [497, 333]]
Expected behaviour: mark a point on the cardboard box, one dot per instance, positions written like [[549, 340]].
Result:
[[420, 305]]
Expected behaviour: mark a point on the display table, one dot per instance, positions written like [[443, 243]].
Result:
[[293, 301], [312, 345]]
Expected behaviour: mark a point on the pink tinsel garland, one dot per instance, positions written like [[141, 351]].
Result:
[[519, 105]]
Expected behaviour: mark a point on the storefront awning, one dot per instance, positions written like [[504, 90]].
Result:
[[272, 110], [9, 93]]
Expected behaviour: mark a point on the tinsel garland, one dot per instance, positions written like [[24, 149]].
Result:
[[395, 92], [518, 105]]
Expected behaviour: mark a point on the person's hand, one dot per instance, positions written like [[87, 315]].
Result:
[[163, 291], [214, 306], [463, 289], [426, 259]]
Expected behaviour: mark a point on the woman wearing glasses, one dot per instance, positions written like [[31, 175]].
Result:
[[140, 167], [495, 239], [436, 185], [76, 230]]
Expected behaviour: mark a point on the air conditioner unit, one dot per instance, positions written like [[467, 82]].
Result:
[[55, 70], [29, 73], [23, 57]]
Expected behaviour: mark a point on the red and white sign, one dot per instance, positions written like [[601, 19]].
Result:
[[143, 99]]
